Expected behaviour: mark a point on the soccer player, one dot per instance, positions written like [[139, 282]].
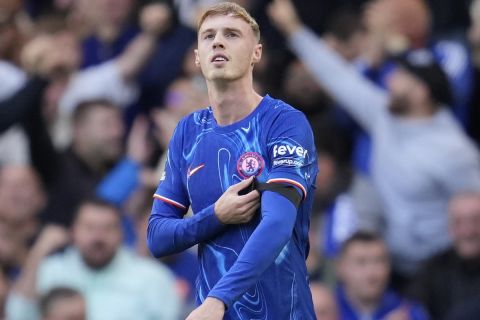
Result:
[[252, 265]]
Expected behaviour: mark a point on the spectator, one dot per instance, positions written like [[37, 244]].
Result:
[[22, 96], [97, 145], [405, 25], [452, 278], [12, 34], [116, 283], [4, 288], [62, 304], [114, 31], [474, 38], [117, 77], [22, 197], [302, 90], [363, 271], [345, 33], [413, 136]]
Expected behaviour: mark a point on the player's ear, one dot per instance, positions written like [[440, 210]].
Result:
[[197, 59], [257, 53]]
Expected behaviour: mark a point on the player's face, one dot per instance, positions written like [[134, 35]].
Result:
[[227, 48], [364, 270], [97, 235], [465, 226]]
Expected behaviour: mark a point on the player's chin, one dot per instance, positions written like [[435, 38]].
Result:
[[222, 74]]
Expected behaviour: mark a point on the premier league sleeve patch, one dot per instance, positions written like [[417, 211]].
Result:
[[250, 164]]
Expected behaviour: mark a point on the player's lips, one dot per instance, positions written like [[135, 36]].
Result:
[[219, 58]]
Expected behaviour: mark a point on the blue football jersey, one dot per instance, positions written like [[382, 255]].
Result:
[[275, 144]]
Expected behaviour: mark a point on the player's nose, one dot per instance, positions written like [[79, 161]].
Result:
[[218, 42]]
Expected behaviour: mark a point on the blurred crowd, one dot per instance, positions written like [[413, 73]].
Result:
[[91, 91]]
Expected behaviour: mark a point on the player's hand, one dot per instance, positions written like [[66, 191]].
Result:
[[232, 208], [155, 18], [283, 15], [210, 309]]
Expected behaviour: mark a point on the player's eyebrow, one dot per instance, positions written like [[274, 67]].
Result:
[[227, 29], [233, 30], [207, 31]]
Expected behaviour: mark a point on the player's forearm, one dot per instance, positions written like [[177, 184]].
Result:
[[261, 250], [356, 94], [168, 234]]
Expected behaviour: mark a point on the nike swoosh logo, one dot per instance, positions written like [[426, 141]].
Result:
[[191, 172]]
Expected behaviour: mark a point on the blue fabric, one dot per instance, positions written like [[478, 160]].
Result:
[[244, 265], [265, 244], [456, 62], [95, 51], [116, 187], [168, 233], [129, 232], [390, 301], [328, 242], [120, 183]]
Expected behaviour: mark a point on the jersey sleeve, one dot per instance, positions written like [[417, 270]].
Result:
[[168, 231], [171, 189], [291, 153]]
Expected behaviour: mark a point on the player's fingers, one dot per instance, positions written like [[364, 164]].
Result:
[[251, 212], [242, 184], [253, 195], [249, 209]]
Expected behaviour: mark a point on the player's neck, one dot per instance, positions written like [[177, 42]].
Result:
[[232, 101]]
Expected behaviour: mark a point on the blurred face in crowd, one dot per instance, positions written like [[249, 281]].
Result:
[[114, 11], [12, 245], [349, 47], [364, 268], [407, 21], [407, 93], [323, 302], [10, 37], [97, 234], [227, 48], [99, 134], [465, 225], [66, 308], [21, 197], [301, 88], [68, 44], [474, 31], [4, 287]]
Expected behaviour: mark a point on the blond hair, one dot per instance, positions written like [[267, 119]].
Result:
[[233, 10]]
